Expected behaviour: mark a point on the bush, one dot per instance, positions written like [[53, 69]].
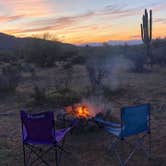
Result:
[[64, 97], [41, 52], [39, 95], [139, 60], [97, 71], [7, 57], [9, 78], [108, 93], [58, 98]]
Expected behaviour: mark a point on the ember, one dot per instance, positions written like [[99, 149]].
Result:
[[82, 111], [79, 111]]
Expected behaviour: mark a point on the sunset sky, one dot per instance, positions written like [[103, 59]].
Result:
[[81, 21]]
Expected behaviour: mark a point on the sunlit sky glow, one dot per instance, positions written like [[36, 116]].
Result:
[[81, 21]]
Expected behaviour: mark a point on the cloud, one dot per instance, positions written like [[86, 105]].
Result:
[[29, 8], [160, 20], [116, 11], [135, 36], [90, 16], [65, 20], [11, 18]]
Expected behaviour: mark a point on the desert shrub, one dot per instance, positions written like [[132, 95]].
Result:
[[109, 93], [9, 78], [139, 60], [157, 43], [55, 98], [159, 56], [29, 68], [41, 52], [39, 95], [7, 57], [68, 60], [68, 67], [64, 97], [97, 70]]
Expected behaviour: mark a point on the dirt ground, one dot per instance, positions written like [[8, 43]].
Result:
[[90, 148]]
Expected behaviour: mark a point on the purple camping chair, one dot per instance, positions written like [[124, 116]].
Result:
[[40, 137]]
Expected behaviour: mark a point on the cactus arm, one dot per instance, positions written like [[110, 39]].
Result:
[[150, 35], [146, 20], [146, 23], [142, 32]]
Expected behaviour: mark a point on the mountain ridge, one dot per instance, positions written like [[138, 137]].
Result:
[[10, 42]]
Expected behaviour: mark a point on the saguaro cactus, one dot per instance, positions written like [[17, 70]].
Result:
[[146, 32]]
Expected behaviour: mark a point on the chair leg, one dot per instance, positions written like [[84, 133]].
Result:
[[24, 155], [114, 149], [131, 154], [112, 146], [119, 158], [139, 144], [146, 150], [136, 147], [150, 146], [61, 150], [56, 156], [39, 157]]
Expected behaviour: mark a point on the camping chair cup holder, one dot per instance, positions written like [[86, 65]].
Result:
[[40, 137], [135, 121]]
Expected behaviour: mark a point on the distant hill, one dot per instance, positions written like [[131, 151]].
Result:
[[115, 43], [9, 43], [128, 42]]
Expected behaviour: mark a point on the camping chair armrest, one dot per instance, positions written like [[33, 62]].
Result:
[[107, 123], [113, 124]]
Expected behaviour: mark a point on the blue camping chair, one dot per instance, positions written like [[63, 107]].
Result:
[[135, 120], [40, 137]]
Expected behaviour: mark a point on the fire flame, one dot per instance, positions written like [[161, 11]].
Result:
[[79, 111], [82, 111]]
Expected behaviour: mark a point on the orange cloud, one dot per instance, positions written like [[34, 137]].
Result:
[[27, 7], [10, 18]]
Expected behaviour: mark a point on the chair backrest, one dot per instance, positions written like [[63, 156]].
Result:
[[135, 119], [38, 128]]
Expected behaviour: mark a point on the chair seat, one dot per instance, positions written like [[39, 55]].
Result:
[[114, 130], [58, 137], [60, 134], [107, 123]]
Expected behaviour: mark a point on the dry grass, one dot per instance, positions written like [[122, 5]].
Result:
[[90, 149]]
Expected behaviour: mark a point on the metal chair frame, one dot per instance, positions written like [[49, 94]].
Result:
[[139, 143], [38, 151]]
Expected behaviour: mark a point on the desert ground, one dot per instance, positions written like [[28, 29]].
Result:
[[90, 148]]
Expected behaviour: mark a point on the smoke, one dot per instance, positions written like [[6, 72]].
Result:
[[118, 68], [96, 105]]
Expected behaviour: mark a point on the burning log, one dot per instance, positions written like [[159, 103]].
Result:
[[79, 111], [84, 113]]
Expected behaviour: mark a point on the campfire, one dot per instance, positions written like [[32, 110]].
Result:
[[79, 111], [84, 112]]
